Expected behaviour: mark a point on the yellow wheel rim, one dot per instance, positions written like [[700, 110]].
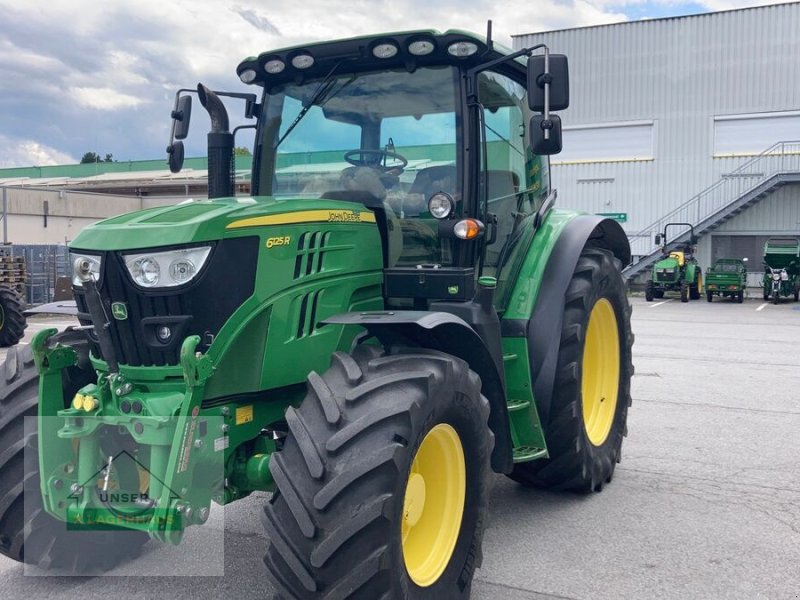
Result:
[[433, 505], [600, 383]]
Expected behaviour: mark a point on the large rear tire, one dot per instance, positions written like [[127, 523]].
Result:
[[696, 289], [684, 292], [12, 321], [589, 408], [382, 480], [27, 532]]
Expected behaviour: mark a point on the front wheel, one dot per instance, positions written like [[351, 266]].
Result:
[[589, 407], [684, 292], [382, 480], [740, 297], [709, 296]]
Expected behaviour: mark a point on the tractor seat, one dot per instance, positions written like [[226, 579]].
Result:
[[679, 256]]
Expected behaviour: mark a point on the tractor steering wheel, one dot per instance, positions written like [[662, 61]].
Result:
[[379, 157]]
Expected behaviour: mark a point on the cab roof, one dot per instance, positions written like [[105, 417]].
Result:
[[359, 53]]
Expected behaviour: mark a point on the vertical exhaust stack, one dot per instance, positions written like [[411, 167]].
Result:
[[220, 145]]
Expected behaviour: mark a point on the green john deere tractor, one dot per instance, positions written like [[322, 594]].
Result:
[[678, 271], [396, 310]]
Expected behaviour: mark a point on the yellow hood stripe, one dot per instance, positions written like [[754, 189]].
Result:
[[307, 216]]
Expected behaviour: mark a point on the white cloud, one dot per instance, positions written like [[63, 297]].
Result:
[[26, 153], [103, 98], [104, 73]]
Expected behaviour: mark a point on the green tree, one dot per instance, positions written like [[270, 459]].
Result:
[[90, 157], [241, 151], [94, 157]]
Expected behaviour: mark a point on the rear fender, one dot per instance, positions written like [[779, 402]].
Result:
[[690, 273], [447, 333], [543, 328]]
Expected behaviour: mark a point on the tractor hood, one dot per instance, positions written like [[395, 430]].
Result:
[[208, 220], [667, 263]]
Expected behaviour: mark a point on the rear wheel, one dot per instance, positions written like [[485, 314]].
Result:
[[27, 532], [696, 289], [709, 296], [382, 480], [12, 321], [589, 407], [649, 294], [740, 297]]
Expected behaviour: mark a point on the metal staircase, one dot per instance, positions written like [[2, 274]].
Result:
[[733, 193]]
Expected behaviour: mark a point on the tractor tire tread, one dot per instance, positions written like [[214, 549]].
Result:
[[348, 509], [13, 325], [574, 463]]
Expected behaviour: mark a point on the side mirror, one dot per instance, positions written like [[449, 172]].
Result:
[[559, 82], [550, 145], [175, 156], [658, 239], [182, 115]]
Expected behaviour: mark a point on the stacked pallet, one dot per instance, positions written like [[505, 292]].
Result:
[[13, 273]]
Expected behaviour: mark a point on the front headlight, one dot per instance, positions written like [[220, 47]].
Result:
[[83, 267], [166, 269], [776, 277]]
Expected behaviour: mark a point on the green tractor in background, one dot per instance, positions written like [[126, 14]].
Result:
[[678, 271], [396, 310], [781, 269]]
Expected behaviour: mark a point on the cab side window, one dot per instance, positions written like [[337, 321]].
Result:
[[514, 178]]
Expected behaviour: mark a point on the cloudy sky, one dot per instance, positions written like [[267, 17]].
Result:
[[100, 76]]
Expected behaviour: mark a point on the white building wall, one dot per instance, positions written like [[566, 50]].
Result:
[[683, 75]]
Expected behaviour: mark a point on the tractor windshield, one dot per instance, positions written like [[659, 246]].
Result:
[[386, 139]]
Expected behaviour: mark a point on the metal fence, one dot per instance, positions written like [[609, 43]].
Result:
[[45, 264]]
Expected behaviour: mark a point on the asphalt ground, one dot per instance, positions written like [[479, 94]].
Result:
[[705, 504]]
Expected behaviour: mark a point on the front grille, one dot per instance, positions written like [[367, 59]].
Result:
[[199, 308], [668, 276]]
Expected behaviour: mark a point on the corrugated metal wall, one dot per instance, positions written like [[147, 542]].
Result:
[[679, 73]]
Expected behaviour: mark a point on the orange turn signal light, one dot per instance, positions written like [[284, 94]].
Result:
[[468, 229]]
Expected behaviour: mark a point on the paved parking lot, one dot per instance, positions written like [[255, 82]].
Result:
[[705, 504]]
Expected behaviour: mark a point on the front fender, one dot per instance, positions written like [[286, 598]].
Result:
[[447, 333]]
